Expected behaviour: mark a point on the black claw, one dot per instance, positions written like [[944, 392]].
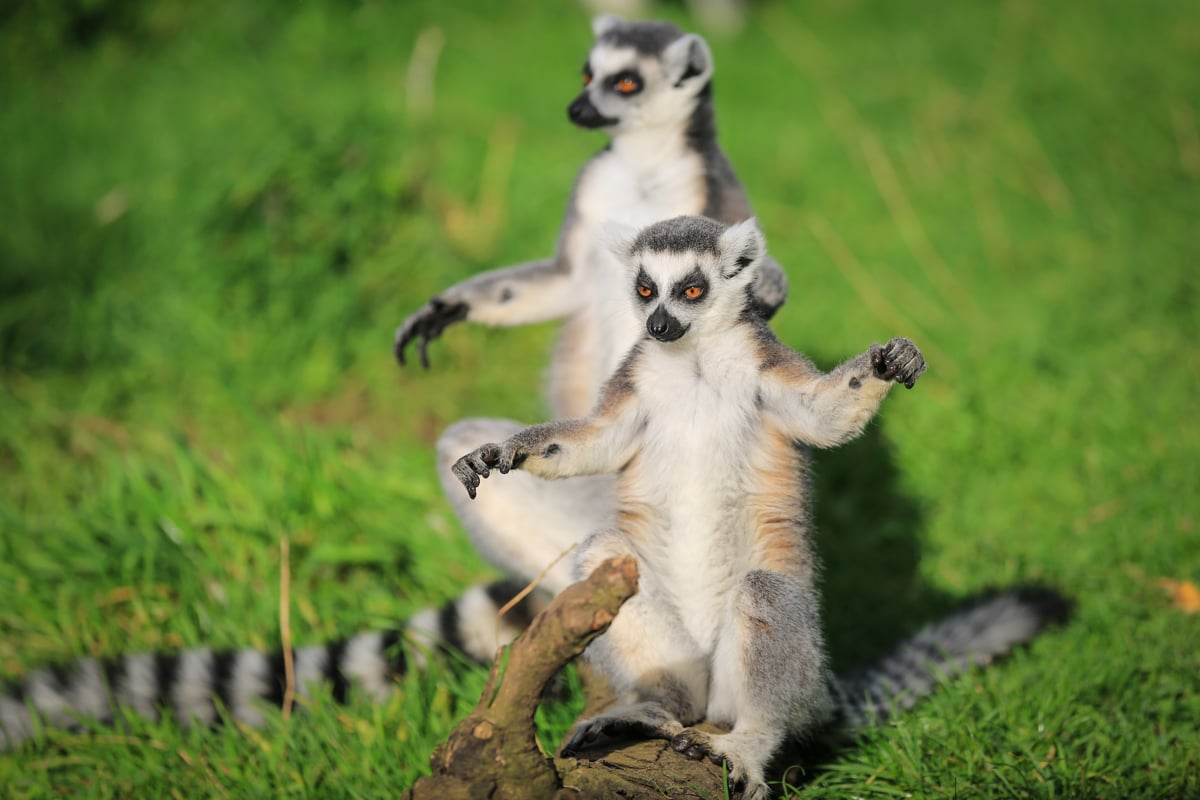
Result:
[[580, 740], [423, 349], [694, 749], [911, 370], [427, 325], [466, 477]]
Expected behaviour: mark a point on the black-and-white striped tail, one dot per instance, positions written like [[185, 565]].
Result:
[[984, 630], [190, 686]]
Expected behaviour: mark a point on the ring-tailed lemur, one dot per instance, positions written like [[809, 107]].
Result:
[[648, 85], [707, 424]]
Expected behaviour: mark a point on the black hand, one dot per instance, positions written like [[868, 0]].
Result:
[[475, 465], [898, 360], [426, 325]]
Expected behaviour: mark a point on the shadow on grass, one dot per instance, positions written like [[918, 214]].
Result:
[[873, 593], [867, 535]]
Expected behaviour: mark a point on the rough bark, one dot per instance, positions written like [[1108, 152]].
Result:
[[494, 753]]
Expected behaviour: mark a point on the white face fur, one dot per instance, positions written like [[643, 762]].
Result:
[[689, 276], [627, 90]]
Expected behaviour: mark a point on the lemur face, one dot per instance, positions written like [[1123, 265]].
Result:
[[673, 290], [690, 275], [639, 75]]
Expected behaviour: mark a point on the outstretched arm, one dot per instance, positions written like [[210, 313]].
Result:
[[827, 410], [518, 295], [601, 443]]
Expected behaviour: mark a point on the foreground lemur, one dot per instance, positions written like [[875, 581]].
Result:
[[706, 424]]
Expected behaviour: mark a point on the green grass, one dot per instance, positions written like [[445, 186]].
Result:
[[214, 215]]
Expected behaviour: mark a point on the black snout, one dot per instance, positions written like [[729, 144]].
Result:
[[664, 327], [584, 114]]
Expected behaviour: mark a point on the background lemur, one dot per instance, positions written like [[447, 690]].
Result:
[[648, 85], [707, 424]]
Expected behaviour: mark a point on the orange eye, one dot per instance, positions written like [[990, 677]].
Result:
[[587, 78], [692, 292], [644, 291], [626, 85]]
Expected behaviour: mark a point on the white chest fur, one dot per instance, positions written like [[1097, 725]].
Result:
[[702, 424], [615, 189]]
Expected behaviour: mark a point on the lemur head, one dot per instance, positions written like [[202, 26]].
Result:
[[689, 275], [641, 74]]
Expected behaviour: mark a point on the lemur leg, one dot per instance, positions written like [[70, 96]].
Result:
[[658, 674], [769, 678], [522, 523]]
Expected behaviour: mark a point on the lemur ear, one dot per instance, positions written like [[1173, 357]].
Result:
[[688, 61], [741, 246], [604, 23], [618, 238]]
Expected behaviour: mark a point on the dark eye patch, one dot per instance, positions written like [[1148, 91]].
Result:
[[626, 83], [645, 287], [694, 278]]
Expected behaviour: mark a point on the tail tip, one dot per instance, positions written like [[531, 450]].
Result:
[[1052, 607]]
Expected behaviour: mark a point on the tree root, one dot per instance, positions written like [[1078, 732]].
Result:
[[494, 753]]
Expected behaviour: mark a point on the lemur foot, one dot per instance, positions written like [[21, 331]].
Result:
[[696, 745], [608, 726], [898, 360], [480, 462], [427, 324]]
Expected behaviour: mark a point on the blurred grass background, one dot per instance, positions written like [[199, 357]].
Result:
[[215, 214]]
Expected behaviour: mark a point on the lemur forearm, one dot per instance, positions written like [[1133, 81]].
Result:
[[521, 294], [573, 447], [593, 446], [826, 410], [836, 407]]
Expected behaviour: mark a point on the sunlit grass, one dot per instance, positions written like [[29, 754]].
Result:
[[214, 218]]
